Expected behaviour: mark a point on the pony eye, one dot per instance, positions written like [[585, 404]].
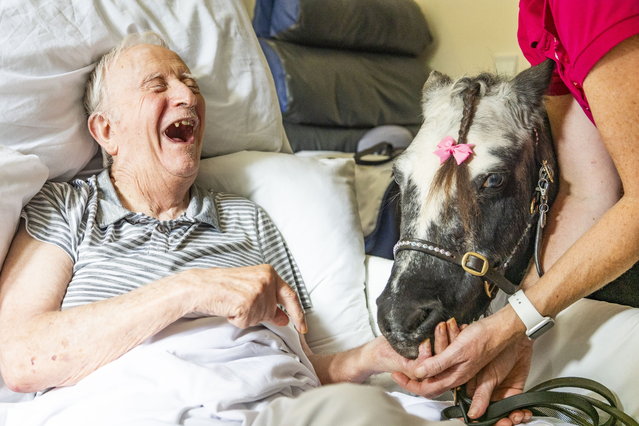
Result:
[[494, 181]]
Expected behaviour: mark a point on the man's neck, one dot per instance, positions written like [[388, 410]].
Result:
[[163, 198]]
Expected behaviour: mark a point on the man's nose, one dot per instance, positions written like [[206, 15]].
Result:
[[182, 95]]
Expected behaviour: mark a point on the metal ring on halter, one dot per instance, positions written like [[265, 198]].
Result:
[[489, 289]]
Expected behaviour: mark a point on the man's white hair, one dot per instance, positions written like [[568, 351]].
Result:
[[95, 91]]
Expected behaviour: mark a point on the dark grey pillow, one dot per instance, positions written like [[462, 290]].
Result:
[[391, 26]]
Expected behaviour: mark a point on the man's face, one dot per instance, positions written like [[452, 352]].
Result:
[[156, 113]]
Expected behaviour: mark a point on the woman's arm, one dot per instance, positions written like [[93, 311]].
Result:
[[41, 346], [611, 245], [588, 181]]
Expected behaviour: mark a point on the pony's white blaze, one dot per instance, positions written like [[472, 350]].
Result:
[[420, 163]]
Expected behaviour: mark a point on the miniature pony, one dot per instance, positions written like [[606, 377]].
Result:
[[475, 185]]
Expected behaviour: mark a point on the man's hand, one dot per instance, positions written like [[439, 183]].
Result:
[[246, 296]]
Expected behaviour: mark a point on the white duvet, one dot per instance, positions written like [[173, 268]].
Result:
[[197, 371]]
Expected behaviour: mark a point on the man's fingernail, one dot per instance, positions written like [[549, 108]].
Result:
[[472, 412], [420, 372], [452, 321]]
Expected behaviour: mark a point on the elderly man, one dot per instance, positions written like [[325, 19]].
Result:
[[102, 265]]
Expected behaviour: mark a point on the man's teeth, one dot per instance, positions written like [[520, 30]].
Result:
[[183, 123]]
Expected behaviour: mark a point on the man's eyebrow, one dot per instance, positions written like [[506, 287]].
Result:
[[187, 76], [151, 77]]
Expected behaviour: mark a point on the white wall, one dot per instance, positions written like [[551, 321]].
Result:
[[470, 34]]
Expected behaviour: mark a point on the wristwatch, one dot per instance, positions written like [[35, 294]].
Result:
[[536, 325]]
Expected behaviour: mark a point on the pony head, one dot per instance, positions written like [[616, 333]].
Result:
[[466, 186]]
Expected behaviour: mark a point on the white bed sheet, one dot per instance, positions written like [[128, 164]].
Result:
[[199, 369]]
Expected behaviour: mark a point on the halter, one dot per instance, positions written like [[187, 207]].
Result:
[[475, 263]]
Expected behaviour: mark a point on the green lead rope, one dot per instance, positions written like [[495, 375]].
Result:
[[543, 401]]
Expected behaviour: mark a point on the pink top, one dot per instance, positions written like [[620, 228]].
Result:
[[575, 34]]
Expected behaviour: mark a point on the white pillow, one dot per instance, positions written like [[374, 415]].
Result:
[[378, 271], [371, 182], [312, 202], [21, 176], [49, 48]]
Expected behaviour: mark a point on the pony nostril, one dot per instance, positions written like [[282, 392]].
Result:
[[416, 318]]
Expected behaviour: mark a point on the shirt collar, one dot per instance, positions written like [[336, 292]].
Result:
[[110, 210]]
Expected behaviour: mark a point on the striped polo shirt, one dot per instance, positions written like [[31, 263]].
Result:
[[115, 250]]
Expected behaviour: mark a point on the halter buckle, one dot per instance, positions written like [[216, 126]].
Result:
[[473, 271]]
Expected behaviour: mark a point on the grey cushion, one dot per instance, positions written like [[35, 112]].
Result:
[[391, 26]]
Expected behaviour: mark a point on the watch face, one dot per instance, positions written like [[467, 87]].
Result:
[[540, 328]]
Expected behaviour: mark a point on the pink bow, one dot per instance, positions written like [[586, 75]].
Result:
[[448, 146]]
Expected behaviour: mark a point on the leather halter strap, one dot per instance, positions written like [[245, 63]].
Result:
[[477, 264], [474, 263]]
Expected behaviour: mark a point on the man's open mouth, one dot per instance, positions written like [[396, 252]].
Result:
[[181, 130]]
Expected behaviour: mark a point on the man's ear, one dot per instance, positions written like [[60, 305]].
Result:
[[100, 128]]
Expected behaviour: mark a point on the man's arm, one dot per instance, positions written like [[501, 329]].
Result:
[[41, 346], [377, 356], [355, 365]]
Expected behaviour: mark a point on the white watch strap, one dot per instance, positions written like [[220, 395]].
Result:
[[535, 323]]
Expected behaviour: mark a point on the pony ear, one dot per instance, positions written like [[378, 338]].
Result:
[[533, 82], [436, 79]]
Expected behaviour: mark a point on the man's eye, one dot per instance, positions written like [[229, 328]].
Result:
[[193, 86]]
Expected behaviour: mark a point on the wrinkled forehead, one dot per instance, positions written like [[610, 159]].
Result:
[[138, 62]]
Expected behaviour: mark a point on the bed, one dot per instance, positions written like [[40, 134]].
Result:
[[47, 51]]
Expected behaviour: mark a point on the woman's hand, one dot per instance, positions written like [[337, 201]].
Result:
[[503, 377], [456, 361], [457, 348]]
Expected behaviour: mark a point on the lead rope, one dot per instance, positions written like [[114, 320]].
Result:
[[544, 400]]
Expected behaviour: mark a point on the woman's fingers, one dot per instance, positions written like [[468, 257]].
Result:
[[452, 328], [441, 337]]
